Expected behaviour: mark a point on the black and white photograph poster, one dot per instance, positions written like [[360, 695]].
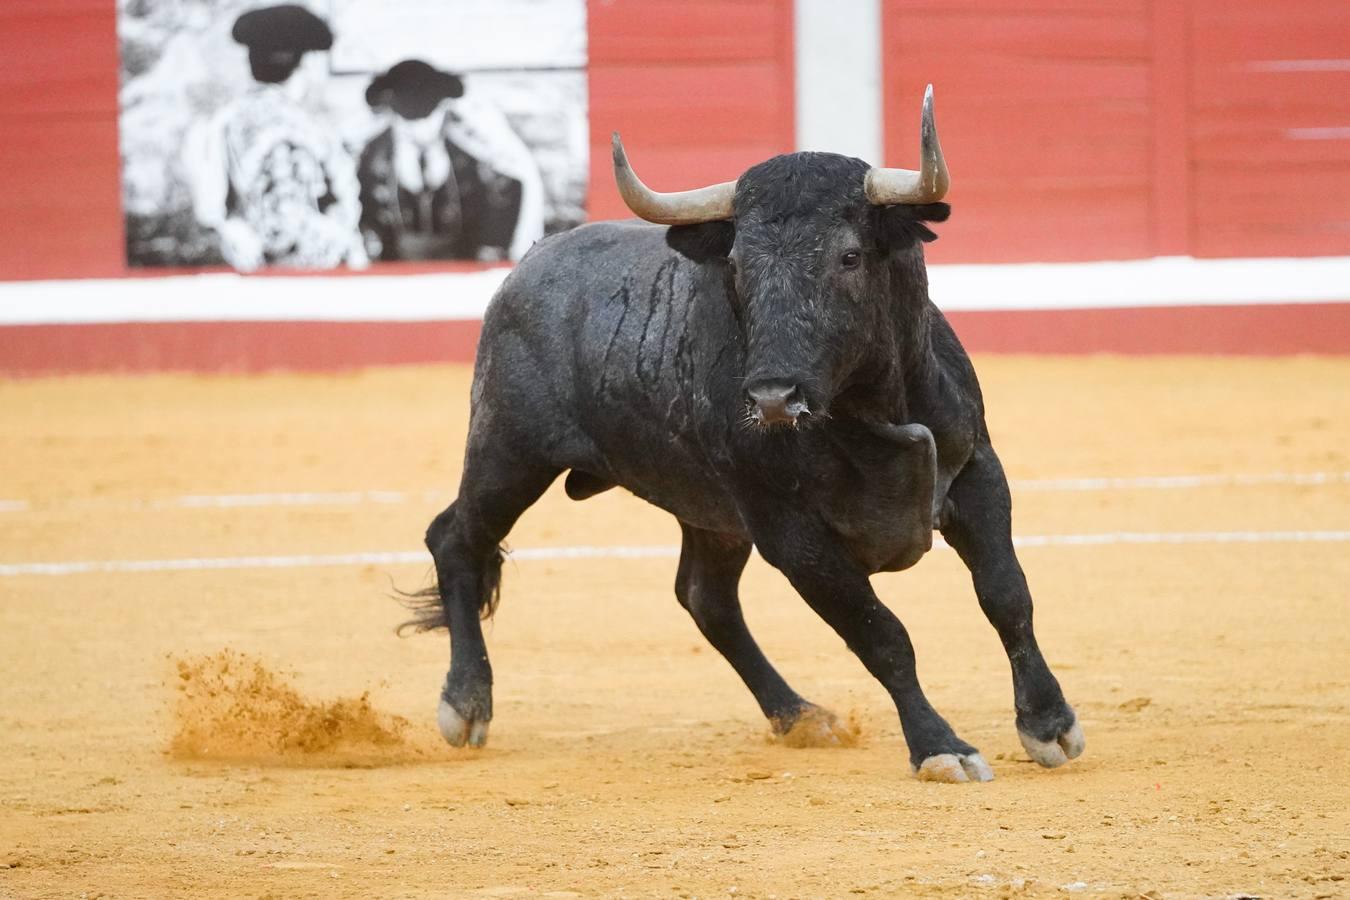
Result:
[[343, 132]]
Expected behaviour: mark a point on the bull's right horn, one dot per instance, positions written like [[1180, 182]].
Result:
[[705, 204], [886, 187]]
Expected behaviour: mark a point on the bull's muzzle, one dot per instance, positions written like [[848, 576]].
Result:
[[775, 403]]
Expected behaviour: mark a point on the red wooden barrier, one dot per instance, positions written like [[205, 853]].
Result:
[[1096, 129], [60, 177], [1045, 120], [699, 90], [1270, 137]]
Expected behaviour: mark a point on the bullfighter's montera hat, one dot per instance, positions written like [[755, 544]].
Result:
[[280, 35], [413, 89]]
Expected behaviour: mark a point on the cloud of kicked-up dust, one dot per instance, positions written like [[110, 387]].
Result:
[[232, 707]]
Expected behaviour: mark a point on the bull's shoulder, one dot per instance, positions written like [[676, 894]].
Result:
[[564, 270], [590, 268]]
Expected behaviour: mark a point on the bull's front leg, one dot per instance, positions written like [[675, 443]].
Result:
[[977, 523], [837, 588]]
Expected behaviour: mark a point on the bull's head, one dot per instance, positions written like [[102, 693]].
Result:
[[816, 243]]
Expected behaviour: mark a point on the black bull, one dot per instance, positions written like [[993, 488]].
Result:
[[641, 355]]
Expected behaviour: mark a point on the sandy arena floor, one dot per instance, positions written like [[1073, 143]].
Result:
[[140, 759]]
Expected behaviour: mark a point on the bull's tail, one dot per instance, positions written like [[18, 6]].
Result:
[[428, 606]]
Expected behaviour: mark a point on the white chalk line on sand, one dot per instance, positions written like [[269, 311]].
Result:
[[1174, 482], [356, 498], [656, 551]]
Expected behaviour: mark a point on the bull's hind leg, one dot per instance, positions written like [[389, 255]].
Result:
[[706, 585], [465, 542], [977, 522]]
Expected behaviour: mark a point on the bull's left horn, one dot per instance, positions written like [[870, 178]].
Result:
[[705, 204], [885, 187]]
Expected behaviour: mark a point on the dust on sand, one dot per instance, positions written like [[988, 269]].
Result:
[[821, 728], [231, 707]]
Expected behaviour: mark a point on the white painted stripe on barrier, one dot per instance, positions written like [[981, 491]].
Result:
[[445, 495], [1335, 133], [226, 297], [1164, 281], [398, 557], [1299, 65]]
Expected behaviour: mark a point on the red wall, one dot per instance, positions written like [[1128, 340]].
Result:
[[700, 90], [1101, 129], [60, 193], [1270, 127], [1075, 129], [1044, 118]]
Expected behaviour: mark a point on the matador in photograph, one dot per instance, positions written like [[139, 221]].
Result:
[[448, 178], [274, 182]]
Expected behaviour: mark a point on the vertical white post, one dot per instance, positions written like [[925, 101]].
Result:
[[838, 54]]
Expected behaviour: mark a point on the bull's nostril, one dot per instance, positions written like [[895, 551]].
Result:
[[776, 402]]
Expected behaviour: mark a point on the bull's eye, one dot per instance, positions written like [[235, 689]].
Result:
[[850, 259]]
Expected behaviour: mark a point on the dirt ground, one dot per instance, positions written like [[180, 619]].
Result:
[[204, 731]]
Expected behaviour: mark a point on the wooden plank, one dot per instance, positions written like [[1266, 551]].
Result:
[[1270, 128], [231, 346], [700, 91], [59, 167], [60, 198], [1170, 168], [676, 105], [1044, 7], [1013, 32], [1291, 150], [48, 162], [634, 31], [1289, 91], [1046, 121], [1042, 82], [1270, 239], [1009, 147], [1317, 194], [1004, 225], [1242, 30], [1269, 329], [59, 58]]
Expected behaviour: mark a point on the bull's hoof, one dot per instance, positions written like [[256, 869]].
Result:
[[816, 727], [954, 768], [457, 730], [1067, 744]]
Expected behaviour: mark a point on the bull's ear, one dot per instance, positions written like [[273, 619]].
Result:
[[708, 240], [904, 225]]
